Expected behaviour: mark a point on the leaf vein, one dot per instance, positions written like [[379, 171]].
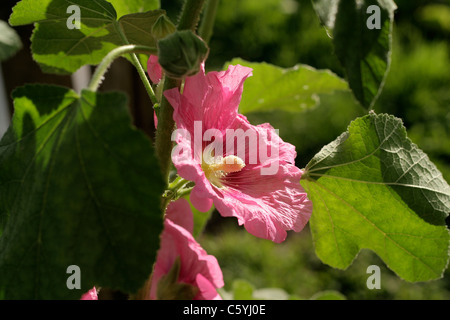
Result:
[[357, 160]]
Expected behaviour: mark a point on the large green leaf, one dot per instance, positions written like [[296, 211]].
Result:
[[59, 49], [9, 41], [124, 7], [295, 89], [373, 188], [364, 52], [78, 186]]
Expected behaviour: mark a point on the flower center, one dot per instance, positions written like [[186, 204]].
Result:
[[216, 168]]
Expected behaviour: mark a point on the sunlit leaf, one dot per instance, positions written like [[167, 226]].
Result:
[[295, 89], [373, 188], [60, 49], [124, 7]]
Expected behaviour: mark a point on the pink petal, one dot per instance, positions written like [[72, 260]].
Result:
[[179, 242], [180, 214], [268, 144], [154, 69], [267, 206], [212, 99], [200, 200], [189, 168], [90, 295], [155, 119], [207, 291]]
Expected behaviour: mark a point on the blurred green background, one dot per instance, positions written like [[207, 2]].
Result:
[[417, 89]]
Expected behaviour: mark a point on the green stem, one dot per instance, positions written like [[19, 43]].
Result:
[[205, 30], [176, 189], [166, 125], [178, 183], [102, 68], [184, 192], [138, 66], [190, 14], [143, 76]]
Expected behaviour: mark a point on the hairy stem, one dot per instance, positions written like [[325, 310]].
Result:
[[190, 14], [178, 183], [102, 68], [166, 125], [138, 66], [184, 192], [206, 27], [143, 76]]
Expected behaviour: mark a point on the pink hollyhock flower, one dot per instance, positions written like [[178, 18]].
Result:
[[263, 193], [90, 295], [183, 269], [154, 69]]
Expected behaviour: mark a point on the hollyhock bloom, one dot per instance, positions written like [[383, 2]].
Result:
[[182, 263], [90, 295], [267, 203]]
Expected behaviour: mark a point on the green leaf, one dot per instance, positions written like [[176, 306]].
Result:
[[295, 89], [59, 49], [373, 188], [364, 52], [78, 186], [9, 41], [124, 7]]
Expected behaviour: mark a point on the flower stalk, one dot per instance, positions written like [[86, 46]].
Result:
[[205, 30], [190, 16], [103, 67], [138, 66], [166, 125]]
